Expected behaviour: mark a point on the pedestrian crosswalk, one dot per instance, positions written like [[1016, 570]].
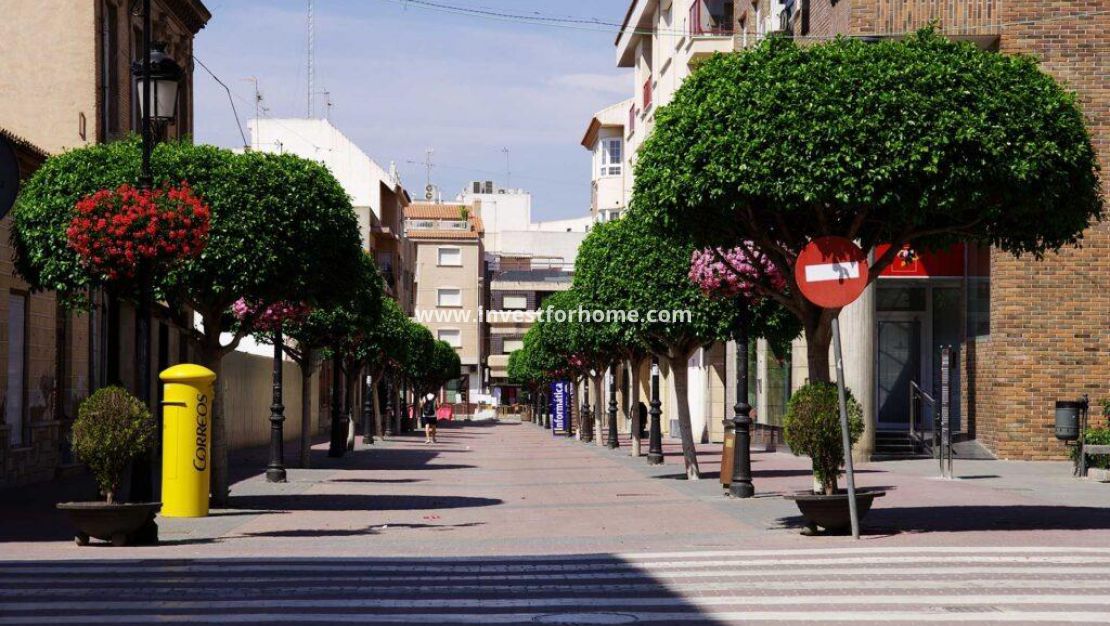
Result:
[[868, 585]]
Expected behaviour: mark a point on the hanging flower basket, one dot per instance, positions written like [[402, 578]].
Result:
[[270, 318], [728, 273], [128, 233]]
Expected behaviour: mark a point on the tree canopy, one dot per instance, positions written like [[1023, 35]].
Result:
[[922, 140]]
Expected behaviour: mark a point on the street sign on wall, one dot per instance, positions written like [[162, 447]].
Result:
[[831, 272], [9, 176], [560, 406]]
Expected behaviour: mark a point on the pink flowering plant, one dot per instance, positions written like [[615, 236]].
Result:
[[269, 318], [734, 272]]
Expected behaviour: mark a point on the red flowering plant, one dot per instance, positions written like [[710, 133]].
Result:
[[128, 234]]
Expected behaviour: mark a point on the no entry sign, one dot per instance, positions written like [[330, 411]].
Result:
[[831, 272]]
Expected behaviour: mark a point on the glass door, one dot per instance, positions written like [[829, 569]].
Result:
[[899, 363]]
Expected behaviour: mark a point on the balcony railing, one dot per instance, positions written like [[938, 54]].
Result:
[[712, 20]]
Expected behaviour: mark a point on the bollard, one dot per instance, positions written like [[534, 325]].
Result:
[[187, 440]]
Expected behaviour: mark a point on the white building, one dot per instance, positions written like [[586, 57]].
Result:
[[509, 230], [611, 178], [370, 186]]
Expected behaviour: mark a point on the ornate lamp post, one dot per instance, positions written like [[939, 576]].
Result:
[[157, 77], [368, 410], [275, 471], [741, 484], [613, 442], [587, 425], [655, 436], [337, 446]]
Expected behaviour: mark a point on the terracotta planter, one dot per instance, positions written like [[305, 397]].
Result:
[[832, 513], [110, 522]]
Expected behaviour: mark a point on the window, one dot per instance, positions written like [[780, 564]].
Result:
[[14, 399], [631, 119], [611, 156], [514, 303], [450, 257], [647, 94], [512, 345], [449, 297], [452, 336]]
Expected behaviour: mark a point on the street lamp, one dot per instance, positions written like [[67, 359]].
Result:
[[613, 444], [655, 437], [155, 76], [741, 482], [275, 471]]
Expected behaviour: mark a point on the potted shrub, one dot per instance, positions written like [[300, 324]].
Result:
[[812, 428], [112, 428]]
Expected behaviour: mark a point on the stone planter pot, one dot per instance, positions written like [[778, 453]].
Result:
[[110, 522], [1098, 475], [832, 513]]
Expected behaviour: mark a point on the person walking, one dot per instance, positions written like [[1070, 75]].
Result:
[[428, 418]]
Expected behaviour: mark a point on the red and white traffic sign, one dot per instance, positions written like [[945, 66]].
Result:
[[831, 272]]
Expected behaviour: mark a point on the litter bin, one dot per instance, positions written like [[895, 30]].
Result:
[[1067, 419], [187, 440]]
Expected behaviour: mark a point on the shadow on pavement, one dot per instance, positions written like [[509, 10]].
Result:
[[351, 502], [947, 519], [356, 532], [575, 589]]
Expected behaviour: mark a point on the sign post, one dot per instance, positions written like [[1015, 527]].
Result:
[[560, 407], [831, 272]]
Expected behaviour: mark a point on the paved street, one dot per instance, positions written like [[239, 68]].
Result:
[[500, 523]]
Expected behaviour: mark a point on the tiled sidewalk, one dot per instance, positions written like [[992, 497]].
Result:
[[510, 488]]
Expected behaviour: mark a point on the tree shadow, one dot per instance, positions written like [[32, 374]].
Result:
[[311, 533], [382, 481], [350, 502], [973, 518]]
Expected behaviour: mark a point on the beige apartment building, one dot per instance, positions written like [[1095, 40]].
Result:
[[449, 285], [66, 83]]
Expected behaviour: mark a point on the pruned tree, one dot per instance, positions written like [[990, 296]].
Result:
[[923, 141]]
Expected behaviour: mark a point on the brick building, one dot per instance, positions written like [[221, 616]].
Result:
[[1026, 332], [66, 84]]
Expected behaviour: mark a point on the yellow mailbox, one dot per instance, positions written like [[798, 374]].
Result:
[[186, 440]]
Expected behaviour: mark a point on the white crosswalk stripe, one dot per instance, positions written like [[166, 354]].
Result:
[[863, 585]]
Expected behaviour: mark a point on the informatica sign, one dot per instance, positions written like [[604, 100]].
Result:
[[560, 406]]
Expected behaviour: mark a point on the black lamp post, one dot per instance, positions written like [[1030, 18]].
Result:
[[368, 411], [337, 446], [587, 425], [613, 442], [741, 484], [157, 77], [275, 471], [655, 436]]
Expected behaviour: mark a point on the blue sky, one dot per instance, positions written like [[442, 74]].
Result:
[[404, 79]]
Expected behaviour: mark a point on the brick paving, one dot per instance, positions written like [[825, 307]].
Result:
[[502, 523]]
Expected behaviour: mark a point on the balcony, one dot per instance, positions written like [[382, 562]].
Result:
[[711, 18]]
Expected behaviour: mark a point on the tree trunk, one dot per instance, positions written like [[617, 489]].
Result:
[[376, 389], [818, 331], [307, 366], [634, 407], [575, 410], [220, 486], [350, 379], [679, 375]]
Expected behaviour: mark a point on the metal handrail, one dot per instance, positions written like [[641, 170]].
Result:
[[917, 393]]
